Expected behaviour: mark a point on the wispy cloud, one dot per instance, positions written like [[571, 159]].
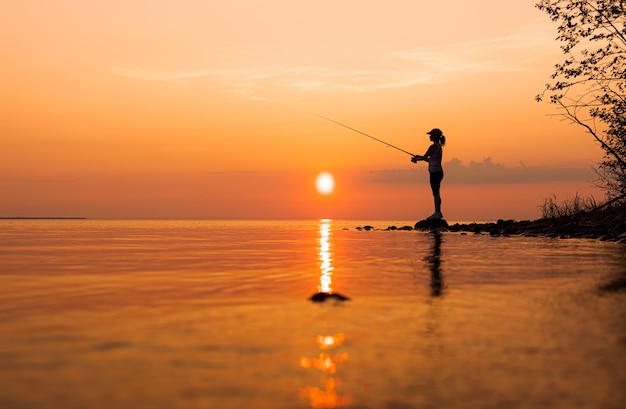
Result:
[[501, 54], [156, 75], [34, 180], [237, 172], [382, 69], [485, 172]]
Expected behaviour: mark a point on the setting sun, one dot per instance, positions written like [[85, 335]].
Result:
[[325, 183]]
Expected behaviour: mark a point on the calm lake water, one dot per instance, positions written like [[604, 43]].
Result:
[[215, 314]]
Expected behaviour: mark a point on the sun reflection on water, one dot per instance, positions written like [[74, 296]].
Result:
[[325, 257], [329, 359], [330, 341], [327, 398]]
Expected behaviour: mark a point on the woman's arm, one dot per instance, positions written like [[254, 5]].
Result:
[[426, 156]]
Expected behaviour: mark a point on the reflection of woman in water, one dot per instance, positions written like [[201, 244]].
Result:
[[433, 156], [434, 261]]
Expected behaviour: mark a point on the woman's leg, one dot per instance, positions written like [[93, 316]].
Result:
[[435, 184], [437, 202]]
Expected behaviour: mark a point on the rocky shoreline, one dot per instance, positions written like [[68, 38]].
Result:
[[604, 225]]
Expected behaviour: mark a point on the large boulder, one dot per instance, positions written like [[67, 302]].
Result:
[[433, 224]]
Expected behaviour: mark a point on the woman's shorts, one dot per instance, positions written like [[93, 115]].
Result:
[[435, 180]]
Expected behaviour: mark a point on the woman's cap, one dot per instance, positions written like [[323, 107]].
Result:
[[435, 132]]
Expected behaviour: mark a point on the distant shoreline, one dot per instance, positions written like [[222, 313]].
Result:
[[43, 218]]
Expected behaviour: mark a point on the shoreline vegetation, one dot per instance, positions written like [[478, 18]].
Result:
[[603, 224]]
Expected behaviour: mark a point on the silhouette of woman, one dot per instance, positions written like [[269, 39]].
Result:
[[433, 156]]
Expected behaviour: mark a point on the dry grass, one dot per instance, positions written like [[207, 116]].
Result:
[[552, 209]]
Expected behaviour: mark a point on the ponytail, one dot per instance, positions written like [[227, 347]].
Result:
[[442, 140]]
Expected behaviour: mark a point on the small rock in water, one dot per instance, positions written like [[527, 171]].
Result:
[[321, 297]]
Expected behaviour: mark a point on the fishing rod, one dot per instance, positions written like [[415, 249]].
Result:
[[369, 136]]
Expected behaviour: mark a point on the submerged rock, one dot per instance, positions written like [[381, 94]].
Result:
[[407, 228], [435, 224], [321, 297]]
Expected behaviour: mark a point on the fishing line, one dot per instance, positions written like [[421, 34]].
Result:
[[369, 136]]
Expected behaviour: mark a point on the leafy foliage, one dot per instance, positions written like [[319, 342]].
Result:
[[590, 85]]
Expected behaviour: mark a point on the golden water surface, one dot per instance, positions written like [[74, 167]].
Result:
[[209, 314]]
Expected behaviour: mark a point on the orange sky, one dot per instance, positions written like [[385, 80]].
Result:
[[196, 109]]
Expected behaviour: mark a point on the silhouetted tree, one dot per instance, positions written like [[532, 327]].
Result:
[[590, 85]]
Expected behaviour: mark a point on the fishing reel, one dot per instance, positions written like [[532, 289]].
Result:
[[414, 159]]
